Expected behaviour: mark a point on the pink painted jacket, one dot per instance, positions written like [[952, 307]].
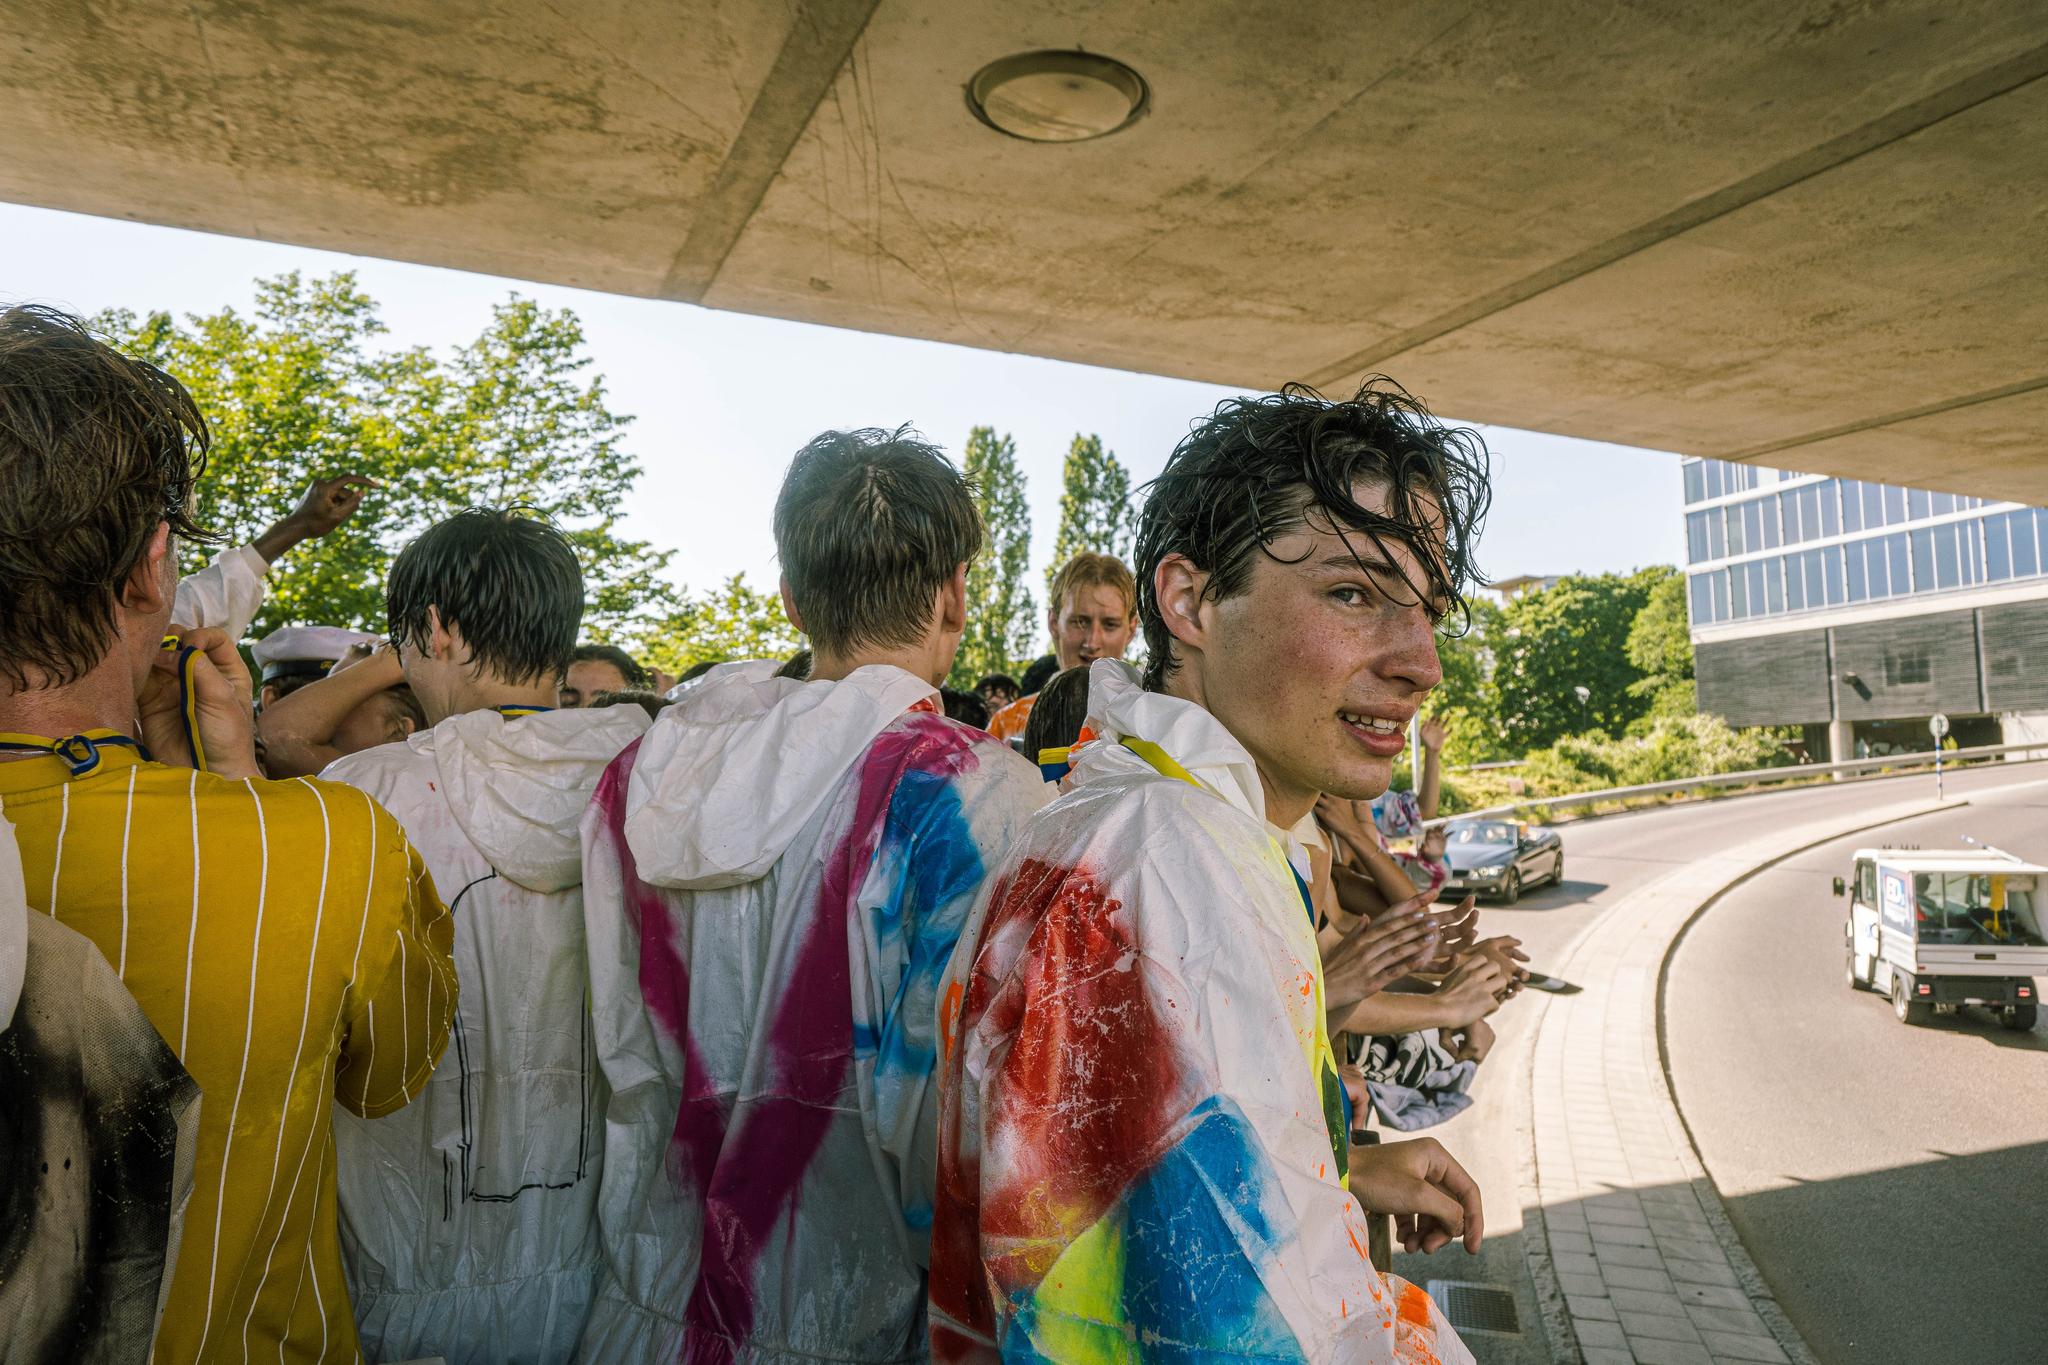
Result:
[[774, 880]]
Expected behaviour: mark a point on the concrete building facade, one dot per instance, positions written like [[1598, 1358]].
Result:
[[1858, 610]]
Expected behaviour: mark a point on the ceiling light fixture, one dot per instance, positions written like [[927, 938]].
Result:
[[1057, 96]]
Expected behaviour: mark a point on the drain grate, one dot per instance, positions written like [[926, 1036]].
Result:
[[1476, 1307]]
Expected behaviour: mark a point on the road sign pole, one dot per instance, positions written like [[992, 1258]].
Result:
[[1937, 725]]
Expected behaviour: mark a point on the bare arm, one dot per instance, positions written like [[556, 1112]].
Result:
[[326, 505], [1430, 785], [298, 730]]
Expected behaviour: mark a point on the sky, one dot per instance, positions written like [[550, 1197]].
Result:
[[722, 400]]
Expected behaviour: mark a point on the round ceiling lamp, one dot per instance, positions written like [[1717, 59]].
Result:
[[1057, 96]]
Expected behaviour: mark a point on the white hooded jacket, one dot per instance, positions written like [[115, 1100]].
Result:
[[468, 1217], [775, 878]]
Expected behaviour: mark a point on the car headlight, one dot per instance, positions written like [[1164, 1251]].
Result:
[[1486, 871]]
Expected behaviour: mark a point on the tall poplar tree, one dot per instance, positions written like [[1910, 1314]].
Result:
[[1095, 505], [1001, 615]]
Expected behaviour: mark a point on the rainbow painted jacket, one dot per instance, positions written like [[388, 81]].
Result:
[[775, 878], [1136, 1157]]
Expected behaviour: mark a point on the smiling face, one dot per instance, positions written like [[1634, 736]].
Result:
[[1317, 666], [1093, 621]]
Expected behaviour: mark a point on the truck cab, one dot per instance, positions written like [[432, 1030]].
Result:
[[1936, 930]]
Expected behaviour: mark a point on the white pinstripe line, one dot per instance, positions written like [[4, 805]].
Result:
[[405, 1017], [305, 1016], [63, 823], [355, 969], [192, 935], [307, 1261], [127, 824], [248, 1034]]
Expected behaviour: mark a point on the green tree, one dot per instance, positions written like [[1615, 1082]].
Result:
[[1095, 505], [299, 389], [1660, 647], [1001, 616], [1561, 664], [734, 621]]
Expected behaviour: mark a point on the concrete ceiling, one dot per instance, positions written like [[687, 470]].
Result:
[[1806, 233]]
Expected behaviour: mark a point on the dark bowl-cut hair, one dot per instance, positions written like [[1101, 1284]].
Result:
[[96, 450], [1256, 468], [869, 524], [628, 666], [1059, 713], [509, 581]]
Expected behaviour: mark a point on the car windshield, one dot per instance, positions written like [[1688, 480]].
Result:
[[1974, 907], [1483, 832]]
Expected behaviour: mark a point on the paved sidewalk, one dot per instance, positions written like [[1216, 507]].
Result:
[[1632, 1249]]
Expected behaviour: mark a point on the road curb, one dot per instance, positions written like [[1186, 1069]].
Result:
[[1630, 1252]]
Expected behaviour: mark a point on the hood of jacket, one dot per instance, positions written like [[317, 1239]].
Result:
[[734, 770], [518, 785]]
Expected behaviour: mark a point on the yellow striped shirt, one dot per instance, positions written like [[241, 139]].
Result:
[[285, 939]]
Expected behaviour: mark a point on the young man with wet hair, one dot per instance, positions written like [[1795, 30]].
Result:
[[469, 1221], [282, 937], [1092, 615], [776, 876], [1142, 1135]]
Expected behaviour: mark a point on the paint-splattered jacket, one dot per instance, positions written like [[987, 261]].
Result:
[[774, 880], [1135, 1153]]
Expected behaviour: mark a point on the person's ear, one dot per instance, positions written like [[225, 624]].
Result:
[[441, 643], [1179, 588], [952, 612], [789, 607], [267, 697], [153, 582], [1052, 621], [405, 727]]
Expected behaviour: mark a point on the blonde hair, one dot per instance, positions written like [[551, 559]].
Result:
[[1091, 570]]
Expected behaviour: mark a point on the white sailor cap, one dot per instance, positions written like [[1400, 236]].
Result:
[[298, 651]]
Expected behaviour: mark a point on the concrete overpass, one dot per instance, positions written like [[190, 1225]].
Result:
[[1808, 233]]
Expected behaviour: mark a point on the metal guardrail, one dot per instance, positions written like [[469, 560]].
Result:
[[1755, 776]]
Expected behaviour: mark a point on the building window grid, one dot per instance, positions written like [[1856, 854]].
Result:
[[1973, 551]]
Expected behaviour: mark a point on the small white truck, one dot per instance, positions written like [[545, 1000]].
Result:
[[1936, 929]]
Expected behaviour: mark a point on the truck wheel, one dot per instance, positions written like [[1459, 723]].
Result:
[[1511, 889], [2019, 1018], [1908, 1010]]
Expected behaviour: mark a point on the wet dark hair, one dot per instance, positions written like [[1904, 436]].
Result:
[[1042, 671], [999, 681], [646, 701], [964, 707], [509, 581], [1058, 714], [628, 666], [699, 669], [96, 449], [869, 524], [1256, 468], [797, 665]]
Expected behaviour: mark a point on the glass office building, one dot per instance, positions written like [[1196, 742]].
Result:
[[1858, 609]]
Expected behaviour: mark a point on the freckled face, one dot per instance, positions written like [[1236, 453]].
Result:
[[1318, 666], [1093, 622]]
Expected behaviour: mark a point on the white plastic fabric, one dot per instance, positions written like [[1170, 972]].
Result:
[[13, 923], [1136, 1141], [468, 1218], [775, 879], [226, 594]]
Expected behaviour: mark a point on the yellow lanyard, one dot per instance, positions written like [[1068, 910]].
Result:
[[80, 753]]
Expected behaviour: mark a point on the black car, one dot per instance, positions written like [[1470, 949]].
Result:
[[1500, 858]]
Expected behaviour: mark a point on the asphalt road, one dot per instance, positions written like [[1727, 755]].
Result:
[[1891, 1183], [1605, 860]]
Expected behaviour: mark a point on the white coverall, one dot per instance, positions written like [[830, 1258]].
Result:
[[468, 1218], [775, 879]]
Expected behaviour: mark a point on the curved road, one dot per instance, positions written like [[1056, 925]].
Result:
[[1891, 1183], [1607, 859]]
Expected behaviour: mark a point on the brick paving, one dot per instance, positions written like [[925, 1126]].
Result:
[[1638, 1246]]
